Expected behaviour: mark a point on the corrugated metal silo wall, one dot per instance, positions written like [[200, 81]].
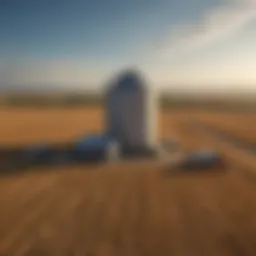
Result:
[[151, 112], [111, 111], [132, 117]]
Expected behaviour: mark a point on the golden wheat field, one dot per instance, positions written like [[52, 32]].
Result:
[[242, 125], [126, 209]]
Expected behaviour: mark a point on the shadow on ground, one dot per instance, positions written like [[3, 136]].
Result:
[[17, 160]]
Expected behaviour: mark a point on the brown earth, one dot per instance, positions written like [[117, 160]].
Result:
[[124, 209], [242, 126]]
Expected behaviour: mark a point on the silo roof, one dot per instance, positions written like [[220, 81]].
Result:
[[129, 80]]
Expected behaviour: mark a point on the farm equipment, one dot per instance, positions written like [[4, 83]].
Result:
[[202, 160]]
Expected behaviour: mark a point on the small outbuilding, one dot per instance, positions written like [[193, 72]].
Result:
[[96, 148], [203, 160]]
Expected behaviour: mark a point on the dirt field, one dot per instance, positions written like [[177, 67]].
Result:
[[133, 209], [243, 126], [21, 127]]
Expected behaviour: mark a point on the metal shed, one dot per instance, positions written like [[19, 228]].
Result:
[[96, 148]]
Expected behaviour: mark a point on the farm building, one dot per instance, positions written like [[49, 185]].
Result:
[[96, 148], [131, 117]]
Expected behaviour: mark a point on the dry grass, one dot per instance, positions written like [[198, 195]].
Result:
[[23, 126], [121, 209], [243, 126]]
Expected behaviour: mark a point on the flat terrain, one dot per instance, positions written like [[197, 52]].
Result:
[[242, 125], [125, 209], [26, 126]]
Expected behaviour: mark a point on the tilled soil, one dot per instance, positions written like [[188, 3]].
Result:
[[128, 209]]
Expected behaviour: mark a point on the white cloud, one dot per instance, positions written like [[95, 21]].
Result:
[[215, 24]]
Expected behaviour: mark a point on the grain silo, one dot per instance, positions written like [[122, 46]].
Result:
[[131, 107]]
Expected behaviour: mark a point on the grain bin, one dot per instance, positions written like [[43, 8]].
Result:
[[131, 112]]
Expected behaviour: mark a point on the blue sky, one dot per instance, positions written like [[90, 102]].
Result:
[[180, 45]]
